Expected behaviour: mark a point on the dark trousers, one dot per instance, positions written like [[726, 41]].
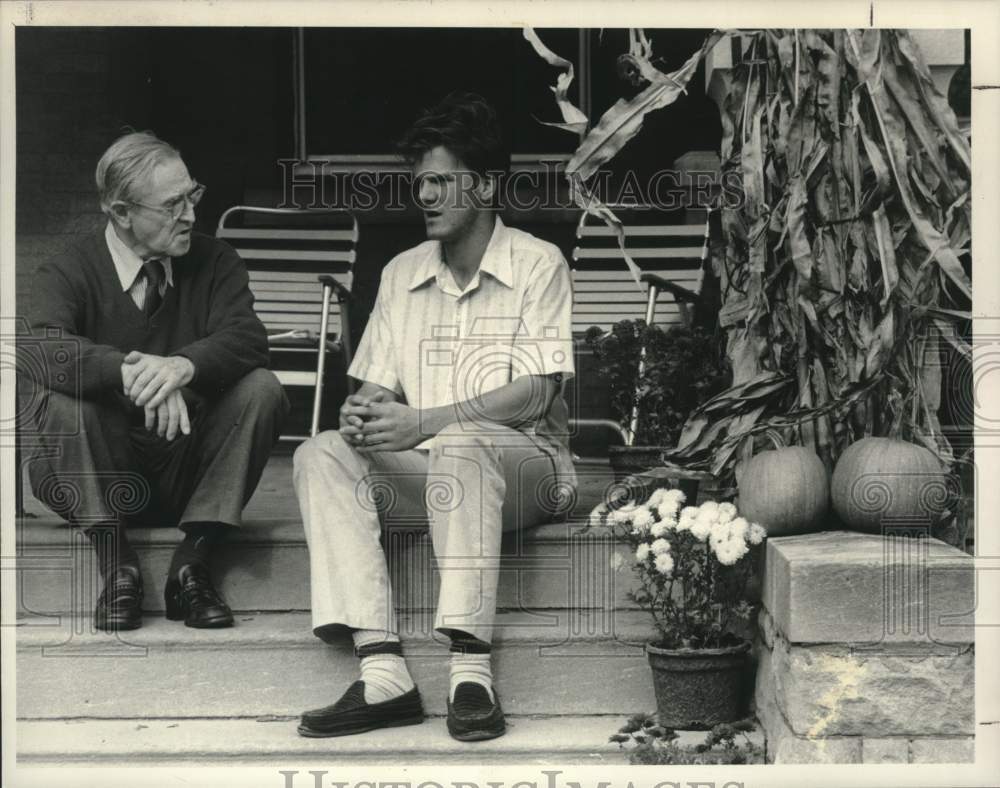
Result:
[[96, 462]]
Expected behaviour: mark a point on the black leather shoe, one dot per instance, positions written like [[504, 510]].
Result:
[[119, 606], [472, 716], [190, 595], [351, 714]]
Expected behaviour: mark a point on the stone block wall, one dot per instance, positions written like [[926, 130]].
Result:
[[866, 651]]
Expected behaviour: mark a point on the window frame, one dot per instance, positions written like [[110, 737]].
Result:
[[387, 162]]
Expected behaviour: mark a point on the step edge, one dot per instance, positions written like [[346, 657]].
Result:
[[293, 629]]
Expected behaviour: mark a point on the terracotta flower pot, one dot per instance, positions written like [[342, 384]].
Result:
[[698, 688]]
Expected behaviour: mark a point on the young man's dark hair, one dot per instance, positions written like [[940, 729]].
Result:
[[466, 125]]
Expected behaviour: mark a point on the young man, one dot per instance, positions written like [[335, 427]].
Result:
[[150, 384], [462, 366]]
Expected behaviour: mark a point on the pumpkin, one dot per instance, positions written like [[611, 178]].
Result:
[[786, 490], [881, 480]]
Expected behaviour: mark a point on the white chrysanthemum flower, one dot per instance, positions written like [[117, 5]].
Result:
[[675, 495], [739, 528], [727, 512], [656, 497], [700, 529], [597, 515], [724, 552], [622, 516], [757, 534], [719, 532], [664, 563], [617, 562], [710, 509], [660, 546], [687, 518], [660, 529], [642, 520], [668, 509], [642, 552], [708, 520], [730, 551]]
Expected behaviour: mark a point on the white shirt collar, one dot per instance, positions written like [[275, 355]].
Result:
[[127, 263], [496, 261]]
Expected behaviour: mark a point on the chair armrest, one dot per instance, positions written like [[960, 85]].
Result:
[[301, 337], [680, 294], [343, 294]]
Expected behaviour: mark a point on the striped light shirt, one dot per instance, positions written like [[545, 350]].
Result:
[[437, 344], [128, 266]]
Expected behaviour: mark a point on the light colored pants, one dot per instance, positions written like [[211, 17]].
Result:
[[471, 484]]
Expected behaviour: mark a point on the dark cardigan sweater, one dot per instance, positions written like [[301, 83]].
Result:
[[84, 324]]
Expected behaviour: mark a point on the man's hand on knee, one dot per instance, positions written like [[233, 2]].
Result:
[[148, 379], [169, 417]]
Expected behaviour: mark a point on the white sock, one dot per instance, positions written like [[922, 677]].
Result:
[[471, 667], [385, 675]]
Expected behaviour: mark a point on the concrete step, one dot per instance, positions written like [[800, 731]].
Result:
[[271, 664], [265, 565], [534, 740], [259, 742]]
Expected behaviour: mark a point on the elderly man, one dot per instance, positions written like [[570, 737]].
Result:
[[154, 382], [462, 363]]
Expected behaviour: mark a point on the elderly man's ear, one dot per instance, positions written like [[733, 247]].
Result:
[[120, 215]]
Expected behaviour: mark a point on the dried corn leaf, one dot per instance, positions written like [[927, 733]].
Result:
[[624, 119], [936, 104], [574, 119], [886, 253], [798, 243]]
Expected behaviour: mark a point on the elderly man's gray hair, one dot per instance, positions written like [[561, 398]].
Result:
[[129, 160]]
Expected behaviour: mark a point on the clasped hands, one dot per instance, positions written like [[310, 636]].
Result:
[[371, 424], [154, 383]]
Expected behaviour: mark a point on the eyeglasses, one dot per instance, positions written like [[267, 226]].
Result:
[[175, 208]]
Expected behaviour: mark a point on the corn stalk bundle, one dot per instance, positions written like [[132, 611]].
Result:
[[842, 270]]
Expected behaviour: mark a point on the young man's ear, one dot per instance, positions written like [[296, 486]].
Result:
[[487, 189]]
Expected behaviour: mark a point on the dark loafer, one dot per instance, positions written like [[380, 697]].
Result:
[[191, 596], [472, 716], [351, 714], [119, 606]]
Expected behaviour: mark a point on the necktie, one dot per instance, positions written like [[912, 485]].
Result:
[[153, 269]]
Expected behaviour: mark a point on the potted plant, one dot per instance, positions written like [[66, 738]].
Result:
[[684, 367], [693, 565]]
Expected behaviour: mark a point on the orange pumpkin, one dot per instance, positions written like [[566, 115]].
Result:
[[786, 490], [878, 481]]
